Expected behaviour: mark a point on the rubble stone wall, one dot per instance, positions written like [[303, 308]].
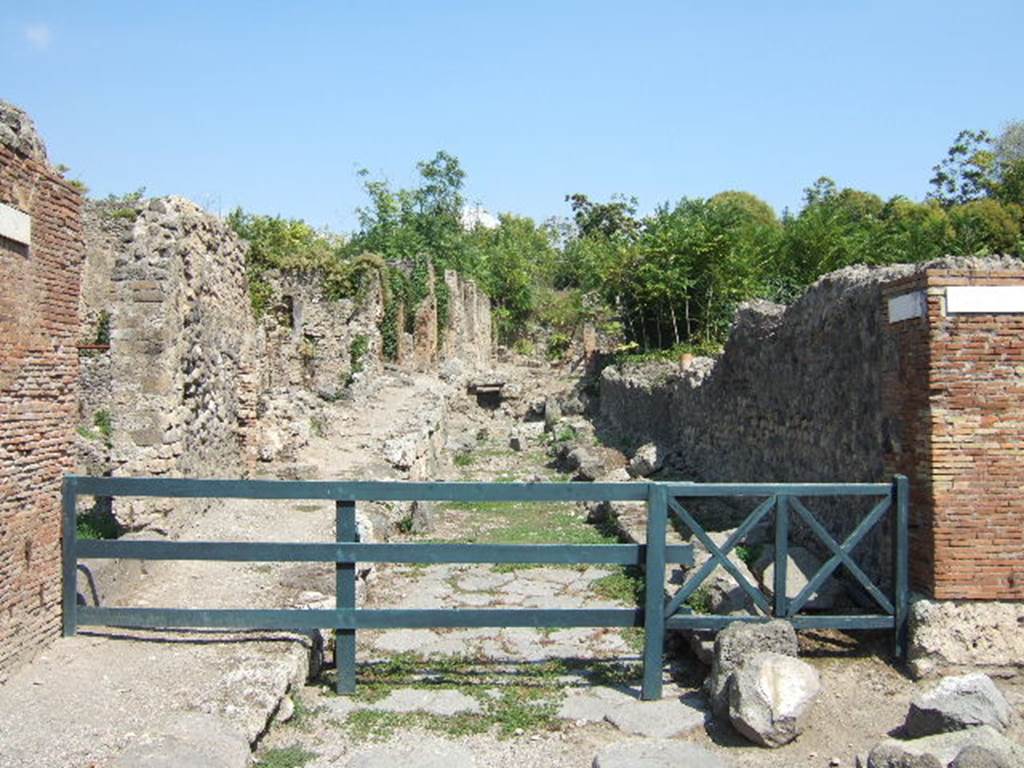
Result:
[[39, 285], [183, 361], [830, 389]]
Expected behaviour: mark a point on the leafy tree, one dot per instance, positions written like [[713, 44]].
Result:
[[967, 172], [510, 262]]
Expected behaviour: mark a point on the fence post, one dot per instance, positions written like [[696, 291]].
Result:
[[901, 587], [69, 558], [345, 598], [781, 556], [654, 591]]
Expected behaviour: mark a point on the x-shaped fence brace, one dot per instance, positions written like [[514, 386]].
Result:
[[841, 555]]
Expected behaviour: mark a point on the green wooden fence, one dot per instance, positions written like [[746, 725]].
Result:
[[654, 556]]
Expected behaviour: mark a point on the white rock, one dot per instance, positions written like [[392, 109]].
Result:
[[770, 698]]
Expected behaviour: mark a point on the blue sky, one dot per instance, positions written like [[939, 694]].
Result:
[[274, 106]]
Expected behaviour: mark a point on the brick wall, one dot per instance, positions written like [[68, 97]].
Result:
[[955, 399], [38, 378]]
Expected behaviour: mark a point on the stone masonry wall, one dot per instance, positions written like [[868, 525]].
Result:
[[195, 383], [183, 357], [829, 390], [39, 286]]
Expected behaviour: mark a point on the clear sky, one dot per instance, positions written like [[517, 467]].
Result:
[[275, 105]]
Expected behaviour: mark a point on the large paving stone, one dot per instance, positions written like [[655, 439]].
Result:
[[427, 752], [661, 719], [443, 702], [957, 703], [656, 753], [592, 705], [189, 739]]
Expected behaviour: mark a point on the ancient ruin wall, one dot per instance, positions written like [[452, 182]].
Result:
[[794, 398], [38, 380], [194, 383], [833, 388], [182, 369]]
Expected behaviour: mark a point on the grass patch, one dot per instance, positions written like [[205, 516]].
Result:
[[700, 601], [634, 637], [520, 699], [464, 459], [294, 756], [624, 585], [526, 523], [97, 523], [613, 673]]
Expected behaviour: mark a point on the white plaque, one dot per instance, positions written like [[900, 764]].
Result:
[[984, 299], [15, 225], [907, 305]]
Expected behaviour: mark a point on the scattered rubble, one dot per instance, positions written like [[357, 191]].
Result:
[[957, 703]]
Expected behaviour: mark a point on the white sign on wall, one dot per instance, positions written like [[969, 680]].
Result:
[[984, 299], [907, 305], [15, 225]]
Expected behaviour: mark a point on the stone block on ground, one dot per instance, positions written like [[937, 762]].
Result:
[[770, 698], [944, 748], [957, 703], [801, 566], [647, 460], [955, 636], [425, 752], [656, 753], [723, 593], [188, 739], [444, 703], [663, 719], [738, 642], [422, 517], [975, 756], [552, 414]]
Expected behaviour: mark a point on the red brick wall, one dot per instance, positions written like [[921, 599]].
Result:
[[38, 379], [954, 396]]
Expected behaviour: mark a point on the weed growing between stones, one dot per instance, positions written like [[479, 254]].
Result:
[[97, 523], [294, 756], [513, 701], [625, 585]]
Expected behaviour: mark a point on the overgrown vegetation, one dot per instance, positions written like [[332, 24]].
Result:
[[97, 523], [668, 281], [102, 428]]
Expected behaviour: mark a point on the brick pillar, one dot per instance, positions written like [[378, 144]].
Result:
[[953, 401], [40, 268]]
